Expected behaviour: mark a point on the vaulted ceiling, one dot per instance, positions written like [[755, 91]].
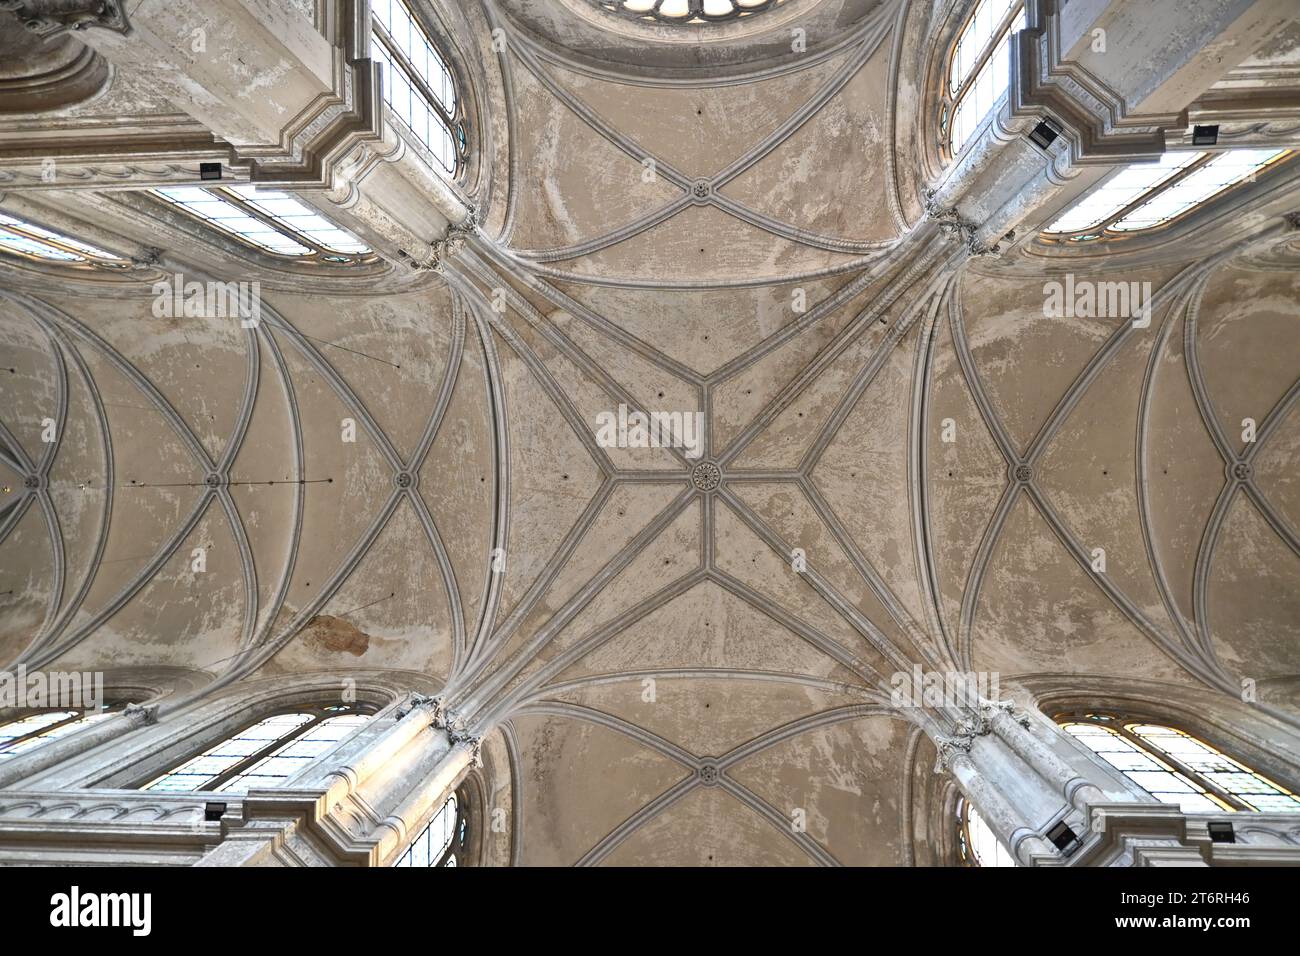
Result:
[[730, 229]]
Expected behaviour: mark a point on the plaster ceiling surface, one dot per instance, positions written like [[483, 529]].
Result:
[[672, 689]]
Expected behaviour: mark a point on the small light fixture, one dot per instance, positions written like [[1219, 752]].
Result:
[[1044, 134], [209, 171], [213, 811], [1205, 135], [1062, 837], [1221, 831]]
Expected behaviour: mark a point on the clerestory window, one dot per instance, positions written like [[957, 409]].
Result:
[[29, 731], [269, 219], [30, 241], [419, 86], [435, 845], [1175, 767], [979, 69], [1147, 196], [264, 754], [977, 845], [688, 11]]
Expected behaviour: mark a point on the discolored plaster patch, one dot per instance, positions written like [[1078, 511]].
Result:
[[325, 632]]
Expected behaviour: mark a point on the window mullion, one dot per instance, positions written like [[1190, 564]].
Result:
[[412, 74], [1150, 194], [1208, 785], [995, 38], [51, 241], [250, 210]]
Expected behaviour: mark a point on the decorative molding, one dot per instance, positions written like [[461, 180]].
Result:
[[45, 18], [51, 73]]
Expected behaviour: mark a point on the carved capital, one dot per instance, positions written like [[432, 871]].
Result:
[[990, 709], [974, 725], [471, 221], [445, 249], [967, 729], [473, 741], [950, 748], [956, 229], [434, 704]]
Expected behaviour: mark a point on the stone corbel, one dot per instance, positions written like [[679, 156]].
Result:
[[147, 258], [45, 18], [142, 714]]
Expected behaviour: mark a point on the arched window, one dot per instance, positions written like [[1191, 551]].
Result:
[[437, 843], [419, 86], [265, 754], [31, 241], [269, 219], [688, 11], [1150, 195], [976, 843], [30, 731], [1175, 767], [979, 69]]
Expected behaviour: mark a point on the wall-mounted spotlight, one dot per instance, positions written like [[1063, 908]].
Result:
[[1205, 135], [1044, 134]]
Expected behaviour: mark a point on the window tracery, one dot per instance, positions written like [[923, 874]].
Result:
[[688, 11], [441, 838]]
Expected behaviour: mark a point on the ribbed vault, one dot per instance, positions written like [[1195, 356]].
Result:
[[672, 684]]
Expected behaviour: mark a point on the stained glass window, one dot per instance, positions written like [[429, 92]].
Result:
[[36, 242], [25, 733], [419, 86], [688, 11], [979, 68], [977, 845], [1175, 767], [270, 219], [1149, 195], [430, 847], [263, 755]]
